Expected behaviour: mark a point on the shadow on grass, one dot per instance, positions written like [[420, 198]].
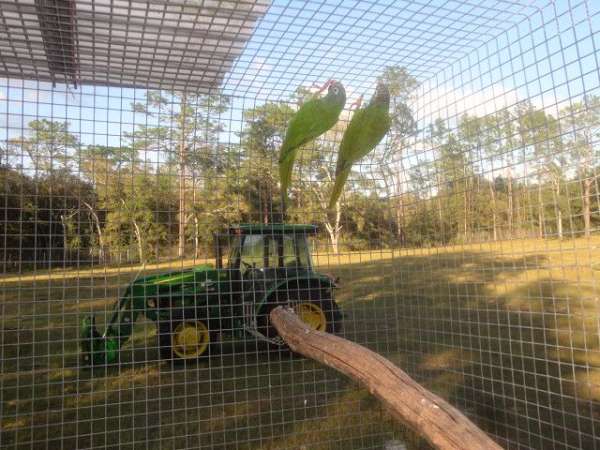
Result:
[[510, 346], [514, 348], [242, 397]]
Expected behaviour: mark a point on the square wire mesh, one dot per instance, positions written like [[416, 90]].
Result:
[[136, 135]]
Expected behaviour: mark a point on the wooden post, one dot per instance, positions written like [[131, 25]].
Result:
[[436, 420]]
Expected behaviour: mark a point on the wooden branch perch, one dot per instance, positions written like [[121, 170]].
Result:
[[432, 417]]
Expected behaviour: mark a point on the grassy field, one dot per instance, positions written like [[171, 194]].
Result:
[[507, 331]]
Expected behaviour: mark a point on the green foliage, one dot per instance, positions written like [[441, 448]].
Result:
[[258, 179], [141, 213], [49, 146], [401, 85], [43, 223]]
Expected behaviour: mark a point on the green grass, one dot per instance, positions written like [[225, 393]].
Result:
[[506, 331]]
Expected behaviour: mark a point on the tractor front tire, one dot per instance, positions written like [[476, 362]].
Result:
[[186, 339]]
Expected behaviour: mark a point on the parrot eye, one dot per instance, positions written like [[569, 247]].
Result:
[[336, 91]]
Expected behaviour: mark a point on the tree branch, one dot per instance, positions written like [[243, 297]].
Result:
[[432, 417]]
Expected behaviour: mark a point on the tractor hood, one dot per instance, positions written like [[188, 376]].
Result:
[[195, 279], [100, 349]]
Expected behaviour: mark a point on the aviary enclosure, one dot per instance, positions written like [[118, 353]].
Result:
[[134, 135]]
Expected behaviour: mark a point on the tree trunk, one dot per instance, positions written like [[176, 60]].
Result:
[[265, 212], [465, 214], [439, 203], [333, 237], [510, 204], [520, 205], [182, 152], [138, 237], [98, 230], [540, 210], [442, 425], [558, 212], [196, 237], [334, 228], [559, 225], [400, 220], [63, 221], [400, 213], [494, 224], [586, 193]]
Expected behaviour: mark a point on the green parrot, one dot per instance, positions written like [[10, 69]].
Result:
[[314, 118], [366, 129]]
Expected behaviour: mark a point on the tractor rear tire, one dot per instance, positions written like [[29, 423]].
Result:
[[319, 301]]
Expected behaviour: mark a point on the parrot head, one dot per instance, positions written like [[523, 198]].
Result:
[[335, 92], [382, 94]]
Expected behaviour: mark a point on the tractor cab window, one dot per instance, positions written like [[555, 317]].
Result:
[[263, 251], [296, 251], [304, 251], [273, 251], [253, 251], [289, 251], [234, 251]]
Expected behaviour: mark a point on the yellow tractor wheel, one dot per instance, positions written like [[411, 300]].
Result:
[[190, 339], [312, 314]]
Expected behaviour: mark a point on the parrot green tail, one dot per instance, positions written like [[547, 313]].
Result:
[[338, 187], [285, 177]]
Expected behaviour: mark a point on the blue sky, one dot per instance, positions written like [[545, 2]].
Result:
[[465, 55]]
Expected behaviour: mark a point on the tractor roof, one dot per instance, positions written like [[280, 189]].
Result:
[[272, 228]]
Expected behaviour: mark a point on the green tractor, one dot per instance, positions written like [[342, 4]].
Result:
[[267, 266]]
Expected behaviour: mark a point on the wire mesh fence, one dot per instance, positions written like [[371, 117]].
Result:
[[145, 236]]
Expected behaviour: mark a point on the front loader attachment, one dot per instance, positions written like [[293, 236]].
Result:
[[97, 350]]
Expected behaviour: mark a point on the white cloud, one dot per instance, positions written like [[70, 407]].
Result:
[[448, 102]]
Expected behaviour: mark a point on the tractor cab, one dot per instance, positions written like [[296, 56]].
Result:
[[265, 248], [261, 257]]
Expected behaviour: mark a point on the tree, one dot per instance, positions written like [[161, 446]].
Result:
[[105, 167], [500, 143], [43, 222], [47, 146], [140, 211], [51, 198], [540, 134], [314, 188], [136, 203], [452, 171], [264, 130], [477, 135], [391, 161], [583, 119], [185, 129]]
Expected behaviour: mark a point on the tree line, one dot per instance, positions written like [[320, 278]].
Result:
[[175, 180]]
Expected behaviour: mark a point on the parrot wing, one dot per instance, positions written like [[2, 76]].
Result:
[[366, 129], [340, 179], [314, 118]]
